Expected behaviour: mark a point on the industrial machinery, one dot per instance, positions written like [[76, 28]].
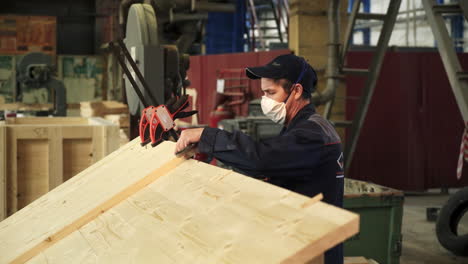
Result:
[[35, 84], [157, 120], [157, 34]]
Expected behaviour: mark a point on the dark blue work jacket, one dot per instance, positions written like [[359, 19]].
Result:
[[306, 157]]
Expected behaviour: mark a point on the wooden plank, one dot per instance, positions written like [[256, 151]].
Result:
[[111, 133], [26, 107], [102, 108], [318, 260], [98, 144], [122, 120], [99, 121], [55, 157], [3, 172], [32, 170], [355, 260], [77, 156], [29, 132], [116, 212], [77, 132], [12, 172], [104, 135], [47, 121]]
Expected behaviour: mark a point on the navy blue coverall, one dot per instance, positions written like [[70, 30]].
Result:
[[305, 158]]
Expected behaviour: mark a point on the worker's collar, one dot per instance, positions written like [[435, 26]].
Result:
[[304, 113]]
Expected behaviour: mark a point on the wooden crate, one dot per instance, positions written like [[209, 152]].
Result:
[[40, 153]]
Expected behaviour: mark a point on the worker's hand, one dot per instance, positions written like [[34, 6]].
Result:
[[188, 136]]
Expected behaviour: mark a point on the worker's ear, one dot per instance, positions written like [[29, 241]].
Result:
[[299, 90]]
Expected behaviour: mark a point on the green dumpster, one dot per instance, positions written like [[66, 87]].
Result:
[[381, 212]]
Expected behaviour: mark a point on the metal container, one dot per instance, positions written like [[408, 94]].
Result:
[[381, 214]]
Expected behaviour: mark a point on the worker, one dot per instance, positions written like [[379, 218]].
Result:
[[306, 157]]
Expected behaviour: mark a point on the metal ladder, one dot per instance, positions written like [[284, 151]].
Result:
[[371, 73], [260, 34], [457, 76]]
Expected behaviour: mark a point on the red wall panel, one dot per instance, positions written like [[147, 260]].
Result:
[[411, 136], [204, 71]]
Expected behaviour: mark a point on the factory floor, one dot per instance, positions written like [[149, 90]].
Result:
[[420, 244]]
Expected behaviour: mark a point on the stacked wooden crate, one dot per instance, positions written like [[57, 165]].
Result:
[[40, 153]]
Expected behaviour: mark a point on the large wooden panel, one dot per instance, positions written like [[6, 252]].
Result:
[[142, 204], [33, 170], [77, 156]]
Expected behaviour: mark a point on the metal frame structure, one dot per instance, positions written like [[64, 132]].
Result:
[[457, 77], [372, 72], [257, 33]]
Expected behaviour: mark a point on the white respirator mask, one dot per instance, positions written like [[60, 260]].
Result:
[[275, 110]]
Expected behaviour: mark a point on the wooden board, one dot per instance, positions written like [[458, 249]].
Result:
[[47, 121], [3, 172], [77, 155], [122, 120], [41, 153], [33, 170], [142, 204], [355, 260], [26, 107], [102, 108]]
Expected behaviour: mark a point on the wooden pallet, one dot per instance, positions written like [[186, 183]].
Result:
[[144, 205], [40, 153]]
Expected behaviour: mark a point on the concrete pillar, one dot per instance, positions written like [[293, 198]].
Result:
[[308, 37]]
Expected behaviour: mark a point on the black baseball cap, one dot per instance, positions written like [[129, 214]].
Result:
[[291, 67]]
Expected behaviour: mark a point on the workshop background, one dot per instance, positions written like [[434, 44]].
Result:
[[394, 88]]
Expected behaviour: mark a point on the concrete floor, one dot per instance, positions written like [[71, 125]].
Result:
[[420, 244]]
